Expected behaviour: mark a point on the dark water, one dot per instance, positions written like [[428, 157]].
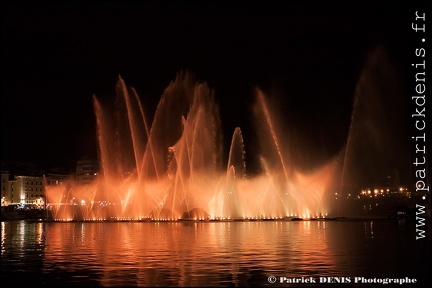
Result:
[[83, 254]]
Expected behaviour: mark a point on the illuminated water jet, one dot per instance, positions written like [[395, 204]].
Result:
[[174, 170]]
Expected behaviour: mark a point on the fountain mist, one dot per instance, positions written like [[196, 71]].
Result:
[[173, 168]]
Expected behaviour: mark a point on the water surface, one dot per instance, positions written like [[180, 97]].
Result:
[[209, 253]]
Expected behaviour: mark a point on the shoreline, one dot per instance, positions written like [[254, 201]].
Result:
[[284, 219]]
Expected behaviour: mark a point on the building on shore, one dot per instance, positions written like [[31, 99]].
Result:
[[27, 190], [86, 171]]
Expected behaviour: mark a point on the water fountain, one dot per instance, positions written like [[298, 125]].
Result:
[[376, 158], [378, 132], [172, 169]]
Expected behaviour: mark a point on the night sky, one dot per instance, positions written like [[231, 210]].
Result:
[[306, 56]]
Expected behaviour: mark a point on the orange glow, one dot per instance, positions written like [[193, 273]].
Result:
[[190, 185]]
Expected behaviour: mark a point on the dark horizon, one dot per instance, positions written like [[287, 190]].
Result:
[[307, 58]]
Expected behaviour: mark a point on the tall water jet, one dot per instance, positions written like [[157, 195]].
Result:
[[236, 171], [376, 143], [295, 190]]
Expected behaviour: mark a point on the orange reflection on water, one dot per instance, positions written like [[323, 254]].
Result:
[[187, 253]]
